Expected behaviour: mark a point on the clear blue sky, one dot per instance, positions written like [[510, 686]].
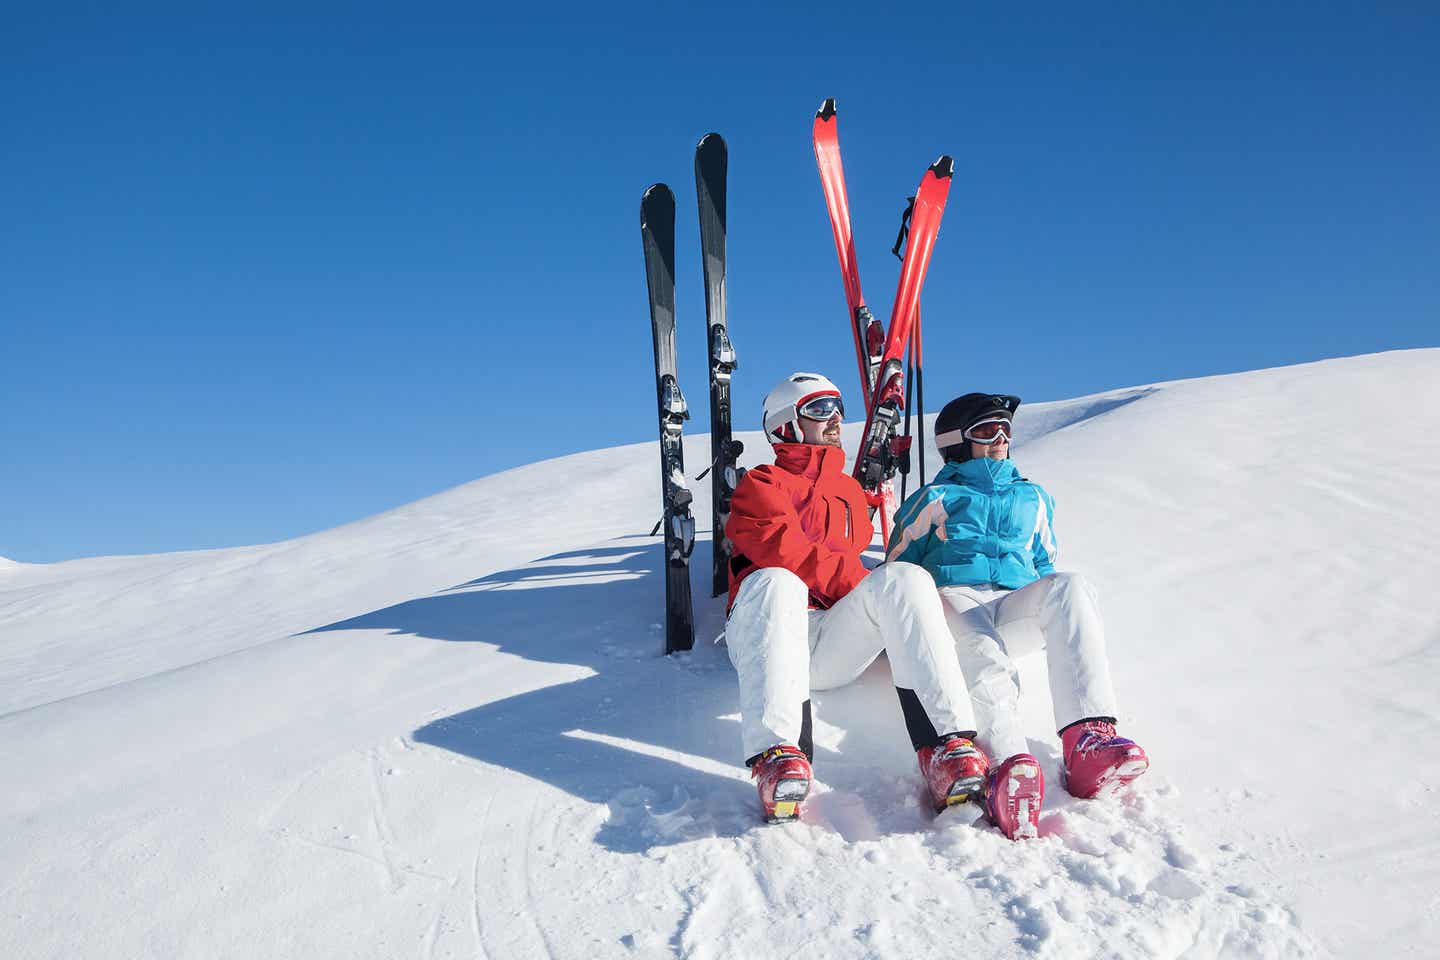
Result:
[[264, 272]]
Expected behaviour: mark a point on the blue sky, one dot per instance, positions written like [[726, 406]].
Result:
[[267, 271]]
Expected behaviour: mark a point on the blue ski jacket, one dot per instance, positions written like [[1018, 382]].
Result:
[[978, 522]]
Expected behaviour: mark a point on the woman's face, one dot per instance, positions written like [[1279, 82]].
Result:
[[997, 431], [999, 450]]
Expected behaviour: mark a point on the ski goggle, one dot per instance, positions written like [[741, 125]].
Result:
[[988, 432], [821, 408]]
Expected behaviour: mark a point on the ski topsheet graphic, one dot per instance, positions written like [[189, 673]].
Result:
[[711, 166], [657, 230], [869, 334]]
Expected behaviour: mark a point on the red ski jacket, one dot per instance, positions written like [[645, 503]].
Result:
[[804, 513]]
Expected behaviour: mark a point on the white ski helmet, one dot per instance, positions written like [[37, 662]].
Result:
[[782, 422]]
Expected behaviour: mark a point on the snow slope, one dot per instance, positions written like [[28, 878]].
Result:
[[446, 730]]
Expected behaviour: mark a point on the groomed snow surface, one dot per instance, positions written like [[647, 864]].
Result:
[[448, 731]]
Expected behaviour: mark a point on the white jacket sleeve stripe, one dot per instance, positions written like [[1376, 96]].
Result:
[[930, 519], [1045, 533]]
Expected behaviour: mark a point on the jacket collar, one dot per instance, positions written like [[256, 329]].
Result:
[[809, 460], [981, 473]]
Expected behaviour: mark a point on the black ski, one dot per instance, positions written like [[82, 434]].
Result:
[[657, 230], [711, 163]]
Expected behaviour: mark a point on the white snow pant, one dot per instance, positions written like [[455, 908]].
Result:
[[993, 625], [782, 650]]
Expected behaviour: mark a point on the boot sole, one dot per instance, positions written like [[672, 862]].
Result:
[[1019, 812], [788, 794]]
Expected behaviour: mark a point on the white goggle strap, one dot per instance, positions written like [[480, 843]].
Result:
[[949, 438]]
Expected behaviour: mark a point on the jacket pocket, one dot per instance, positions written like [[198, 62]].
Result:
[[834, 523]]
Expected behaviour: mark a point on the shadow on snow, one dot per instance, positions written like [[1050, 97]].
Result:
[[1032, 425], [645, 734]]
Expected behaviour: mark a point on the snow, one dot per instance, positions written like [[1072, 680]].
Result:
[[447, 730]]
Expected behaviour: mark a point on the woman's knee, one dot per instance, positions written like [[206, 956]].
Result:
[[1069, 582]]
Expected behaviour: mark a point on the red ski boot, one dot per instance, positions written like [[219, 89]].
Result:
[[1097, 762], [1014, 792], [954, 770], [782, 775]]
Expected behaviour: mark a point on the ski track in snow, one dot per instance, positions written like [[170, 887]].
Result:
[[409, 737]]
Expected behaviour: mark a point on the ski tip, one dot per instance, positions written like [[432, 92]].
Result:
[[944, 168], [657, 208], [827, 109], [711, 154]]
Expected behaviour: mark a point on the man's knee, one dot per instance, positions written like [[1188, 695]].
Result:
[[768, 592], [910, 578], [769, 613], [779, 584]]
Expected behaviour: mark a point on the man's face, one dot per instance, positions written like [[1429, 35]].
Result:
[[825, 432]]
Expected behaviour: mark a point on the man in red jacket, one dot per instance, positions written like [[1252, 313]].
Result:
[[806, 614]]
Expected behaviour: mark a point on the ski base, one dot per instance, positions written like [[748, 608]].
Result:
[[657, 230]]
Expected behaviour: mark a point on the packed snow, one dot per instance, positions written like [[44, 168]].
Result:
[[448, 730]]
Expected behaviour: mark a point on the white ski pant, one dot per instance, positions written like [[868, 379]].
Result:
[[782, 650], [992, 626]]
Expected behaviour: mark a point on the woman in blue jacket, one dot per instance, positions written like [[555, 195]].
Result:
[[986, 534]]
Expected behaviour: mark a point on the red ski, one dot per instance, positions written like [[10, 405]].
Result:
[[880, 448], [869, 334]]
